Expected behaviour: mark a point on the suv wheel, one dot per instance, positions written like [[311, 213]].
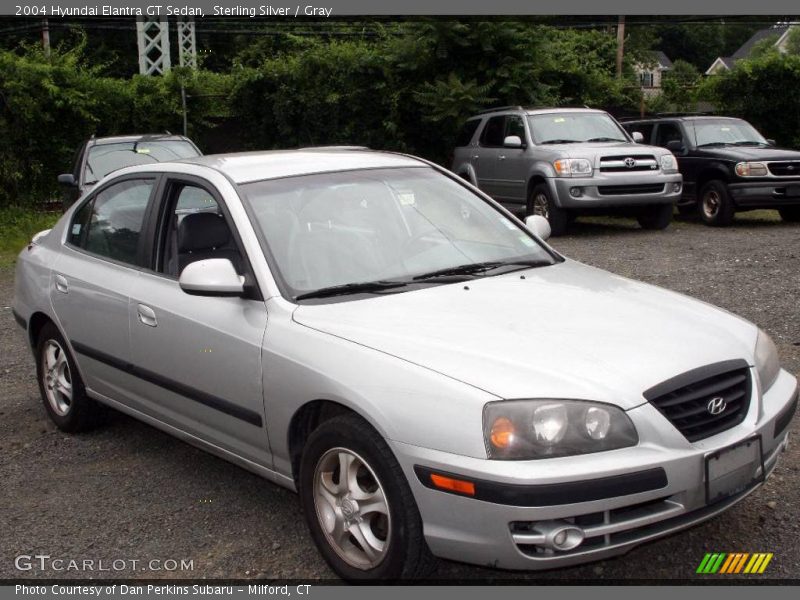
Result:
[[358, 504], [790, 214], [61, 387], [655, 217], [716, 207], [541, 203]]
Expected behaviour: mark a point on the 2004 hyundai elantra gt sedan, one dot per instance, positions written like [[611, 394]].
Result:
[[375, 333]]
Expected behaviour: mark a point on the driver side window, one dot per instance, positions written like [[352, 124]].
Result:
[[668, 132]]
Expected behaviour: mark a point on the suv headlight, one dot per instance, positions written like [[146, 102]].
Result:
[[669, 164], [751, 169], [572, 167], [532, 429], [767, 362]]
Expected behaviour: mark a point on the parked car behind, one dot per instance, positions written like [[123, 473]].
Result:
[[432, 378], [564, 162], [98, 157], [727, 166]]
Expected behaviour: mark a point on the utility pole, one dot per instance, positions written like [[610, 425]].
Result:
[[46, 37], [620, 44]]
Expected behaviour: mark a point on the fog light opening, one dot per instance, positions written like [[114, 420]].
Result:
[[676, 187], [561, 535], [575, 192]]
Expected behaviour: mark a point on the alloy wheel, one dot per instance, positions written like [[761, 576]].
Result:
[[541, 206], [711, 203], [56, 377]]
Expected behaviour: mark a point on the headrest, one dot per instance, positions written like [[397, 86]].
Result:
[[202, 231]]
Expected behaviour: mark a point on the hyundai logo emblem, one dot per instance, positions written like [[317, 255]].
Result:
[[630, 163], [717, 405]]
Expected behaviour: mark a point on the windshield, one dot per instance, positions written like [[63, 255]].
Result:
[[400, 224], [712, 132], [569, 127], [105, 158]]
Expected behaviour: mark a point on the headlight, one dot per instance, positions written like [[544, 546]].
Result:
[[767, 363], [751, 169], [669, 163], [531, 429], [572, 167]]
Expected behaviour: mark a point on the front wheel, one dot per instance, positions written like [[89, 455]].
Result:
[[790, 214], [540, 202], [655, 217], [358, 505], [716, 206]]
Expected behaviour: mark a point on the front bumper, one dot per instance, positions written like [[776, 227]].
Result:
[[765, 194], [498, 534], [617, 190]]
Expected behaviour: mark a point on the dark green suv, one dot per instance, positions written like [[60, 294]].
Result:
[[727, 166]]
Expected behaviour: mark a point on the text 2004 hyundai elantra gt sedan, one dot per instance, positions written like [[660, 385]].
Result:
[[377, 334]]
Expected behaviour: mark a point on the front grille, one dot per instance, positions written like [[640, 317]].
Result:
[[690, 400], [785, 169], [623, 190], [619, 164]]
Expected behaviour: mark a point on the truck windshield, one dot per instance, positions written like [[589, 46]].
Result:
[[575, 127], [105, 158], [723, 132]]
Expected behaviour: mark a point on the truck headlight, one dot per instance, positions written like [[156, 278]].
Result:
[[768, 364], [572, 167], [751, 169], [532, 429], [669, 164]]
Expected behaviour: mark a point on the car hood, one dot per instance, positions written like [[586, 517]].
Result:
[[595, 150], [739, 153], [568, 331]]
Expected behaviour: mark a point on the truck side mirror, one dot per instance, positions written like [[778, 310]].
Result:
[[67, 179], [513, 141], [675, 146], [637, 137]]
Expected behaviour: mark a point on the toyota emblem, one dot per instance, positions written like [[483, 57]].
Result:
[[717, 405], [630, 163]]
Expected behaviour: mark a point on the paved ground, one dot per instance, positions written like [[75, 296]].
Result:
[[131, 492]]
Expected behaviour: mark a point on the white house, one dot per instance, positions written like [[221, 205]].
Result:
[[780, 33], [650, 73]]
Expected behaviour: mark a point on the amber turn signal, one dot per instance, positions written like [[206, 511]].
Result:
[[453, 485], [502, 433]]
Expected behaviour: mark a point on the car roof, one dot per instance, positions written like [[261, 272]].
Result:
[[149, 137], [538, 110], [245, 167], [680, 118]]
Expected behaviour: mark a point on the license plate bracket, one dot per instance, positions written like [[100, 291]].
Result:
[[734, 469]]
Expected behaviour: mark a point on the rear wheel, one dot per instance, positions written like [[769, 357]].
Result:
[[541, 203], [790, 214], [716, 206], [655, 217], [358, 505]]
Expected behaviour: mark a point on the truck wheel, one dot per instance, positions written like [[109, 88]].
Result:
[[359, 506], [716, 206], [655, 217], [541, 203], [790, 214]]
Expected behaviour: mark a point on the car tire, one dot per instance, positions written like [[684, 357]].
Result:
[[541, 203], [655, 217], [790, 214], [716, 206], [385, 543], [60, 384]]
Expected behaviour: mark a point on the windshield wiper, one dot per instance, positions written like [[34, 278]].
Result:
[[560, 142], [474, 268], [605, 139], [714, 144], [749, 143], [365, 287]]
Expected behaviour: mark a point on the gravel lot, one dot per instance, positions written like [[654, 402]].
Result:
[[129, 491]]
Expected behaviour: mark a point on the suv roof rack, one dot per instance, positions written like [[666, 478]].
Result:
[[497, 108], [683, 114], [334, 148]]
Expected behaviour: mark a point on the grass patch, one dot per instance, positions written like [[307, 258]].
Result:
[[17, 226]]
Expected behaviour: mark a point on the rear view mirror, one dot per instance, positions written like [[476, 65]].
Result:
[[512, 141], [538, 225], [637, 137], [675, 146], [211, 277], [770, 141], [67, 179]]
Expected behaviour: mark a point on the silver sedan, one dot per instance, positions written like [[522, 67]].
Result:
[[380, 336]]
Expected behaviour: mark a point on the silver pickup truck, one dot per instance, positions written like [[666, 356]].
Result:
[[563, 162]]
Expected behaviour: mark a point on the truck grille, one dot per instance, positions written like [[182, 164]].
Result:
[[691, 402], [623, 164], [785, 169], [622, 190]]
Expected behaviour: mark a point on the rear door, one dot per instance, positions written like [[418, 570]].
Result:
[[198, 358]]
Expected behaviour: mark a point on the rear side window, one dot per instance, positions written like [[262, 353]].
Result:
[[110, 224], [466, 133], [493, 132]]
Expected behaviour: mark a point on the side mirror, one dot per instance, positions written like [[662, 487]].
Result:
[[67, 179], [512, 141], [211, 277], [538, 225], [770, 141], [637, 137], [675, 146]]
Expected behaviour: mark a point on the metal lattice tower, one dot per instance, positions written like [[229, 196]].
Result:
[[187, 44], [152, 36]]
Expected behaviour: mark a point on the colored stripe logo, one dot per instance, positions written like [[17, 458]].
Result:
[[734, 562]]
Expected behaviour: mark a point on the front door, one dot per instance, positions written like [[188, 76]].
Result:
[[511, 166]]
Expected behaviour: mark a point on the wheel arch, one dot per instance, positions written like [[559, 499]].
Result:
[[36, 323], [709, 174]]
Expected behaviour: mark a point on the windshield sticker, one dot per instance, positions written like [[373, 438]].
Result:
[[559, 120], [406, 198], [142, 150], [725, 128], [76, 229]]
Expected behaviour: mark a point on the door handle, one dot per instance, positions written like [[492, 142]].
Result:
[[476, 156], [502, 157], [147, 316], [62, 285]]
